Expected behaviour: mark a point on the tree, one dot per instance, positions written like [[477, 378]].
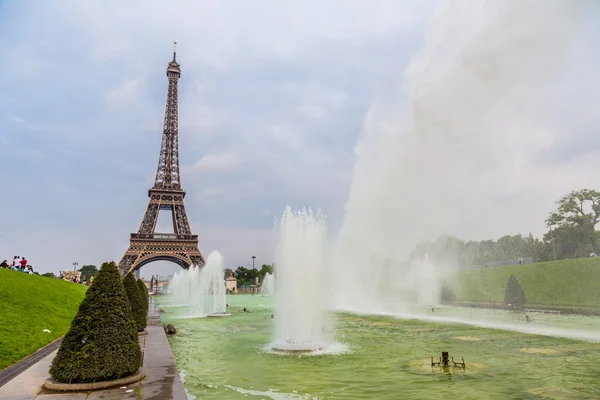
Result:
[[102, 343], [245, 276], [264, 270], [135, 301], [451, 250], [568, 241], [578, 209], [535, 248], [88, 271], [145, 297], [49, 275]]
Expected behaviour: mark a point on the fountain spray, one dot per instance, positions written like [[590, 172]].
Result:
[[301, 321]]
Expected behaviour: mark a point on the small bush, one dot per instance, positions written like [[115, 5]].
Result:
[[135, 301], [145, 297], [102, 343], [447, 295], [514, 295]]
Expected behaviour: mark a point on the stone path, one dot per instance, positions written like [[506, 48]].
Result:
[[162, 380]]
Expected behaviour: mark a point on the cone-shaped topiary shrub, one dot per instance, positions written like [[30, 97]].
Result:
[[102, 343], [145, 298], [447, 295], [514, 295], [135, 301]]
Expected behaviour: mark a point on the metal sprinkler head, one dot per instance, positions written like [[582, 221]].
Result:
[[444, 361]]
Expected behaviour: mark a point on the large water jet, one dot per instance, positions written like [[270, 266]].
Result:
[[465, 134], [426, 279], [267, 288], [301, 324], [202, 290], [213, 279]]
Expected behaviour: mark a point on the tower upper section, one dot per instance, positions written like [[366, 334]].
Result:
[[173, 69], [167, 172]]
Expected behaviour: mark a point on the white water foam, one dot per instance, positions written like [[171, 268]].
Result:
[[529, 328], [274, 394]]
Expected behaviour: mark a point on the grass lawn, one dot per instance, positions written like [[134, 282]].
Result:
[[28, 305], [566, 283]]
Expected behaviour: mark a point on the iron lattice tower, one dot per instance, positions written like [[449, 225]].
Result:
[[180, 247]]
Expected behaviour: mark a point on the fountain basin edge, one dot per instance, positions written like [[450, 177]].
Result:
[[296, 348]]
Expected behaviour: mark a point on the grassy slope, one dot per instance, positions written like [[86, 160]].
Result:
[[29, 304], [558, 283]]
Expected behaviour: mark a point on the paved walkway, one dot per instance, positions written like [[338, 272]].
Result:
[[10, 372], [162, 380]]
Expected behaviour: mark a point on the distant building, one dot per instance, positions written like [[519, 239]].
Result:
[[161, 283], [69, 275], [231, 283]]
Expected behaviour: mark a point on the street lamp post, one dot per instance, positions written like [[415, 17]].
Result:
[[552, 238], [75, 264], [253, 258]]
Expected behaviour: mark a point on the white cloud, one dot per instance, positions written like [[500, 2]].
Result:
[[110, 50], [238, 245], [311, 111], [216, 163], [211, 192], [25, 60], [128, 92], [287, 138]]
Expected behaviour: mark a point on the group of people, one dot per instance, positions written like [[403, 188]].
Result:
[[18, 264]]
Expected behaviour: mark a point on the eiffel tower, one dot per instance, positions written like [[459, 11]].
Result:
[[180, 247]]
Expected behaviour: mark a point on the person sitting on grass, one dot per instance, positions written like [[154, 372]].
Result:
[[4, 264]]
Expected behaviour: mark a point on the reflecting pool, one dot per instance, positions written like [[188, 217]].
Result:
[[385, 357]]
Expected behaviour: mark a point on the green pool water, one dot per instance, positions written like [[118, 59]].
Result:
[[379, 357]]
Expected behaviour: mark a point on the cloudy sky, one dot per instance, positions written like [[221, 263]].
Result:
[[273, 97]]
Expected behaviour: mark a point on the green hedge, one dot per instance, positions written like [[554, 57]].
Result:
[[102, 343], [145, 297], [135, 301]]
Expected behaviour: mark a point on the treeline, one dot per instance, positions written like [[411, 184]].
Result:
[[507, 249], [571, 234], [247, 276]]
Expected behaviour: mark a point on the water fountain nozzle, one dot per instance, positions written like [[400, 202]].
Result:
[[445, 361]]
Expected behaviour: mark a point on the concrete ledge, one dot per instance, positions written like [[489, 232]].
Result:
[[143, 333], [52, 384]]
